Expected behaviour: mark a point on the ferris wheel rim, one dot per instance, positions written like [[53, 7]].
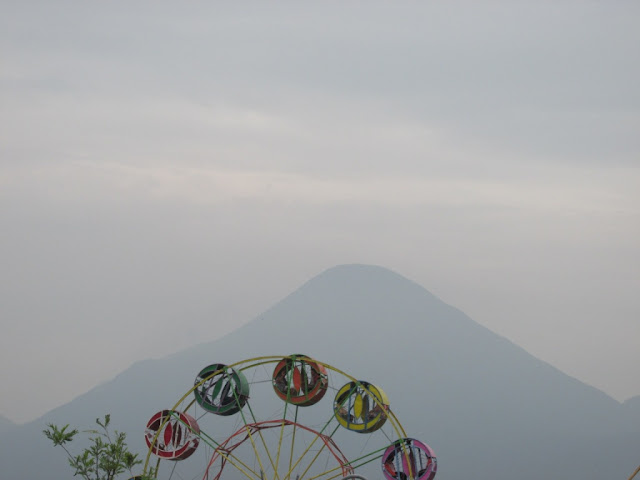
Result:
[[254, 362]]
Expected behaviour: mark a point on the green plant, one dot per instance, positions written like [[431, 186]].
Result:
[[106, 457]]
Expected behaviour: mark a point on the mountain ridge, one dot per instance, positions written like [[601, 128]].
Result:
[[471, 394], [6, 423]]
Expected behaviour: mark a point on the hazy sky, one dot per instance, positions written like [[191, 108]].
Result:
[[169, 172]]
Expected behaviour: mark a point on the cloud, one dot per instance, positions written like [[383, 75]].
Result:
[[552, 79]]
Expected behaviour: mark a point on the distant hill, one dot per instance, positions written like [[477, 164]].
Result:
[[488, 408], [5, 424], [632, 407]]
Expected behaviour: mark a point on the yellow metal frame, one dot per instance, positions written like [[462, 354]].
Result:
[[242, 365]]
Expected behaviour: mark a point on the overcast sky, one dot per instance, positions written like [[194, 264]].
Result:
[[169, 172]]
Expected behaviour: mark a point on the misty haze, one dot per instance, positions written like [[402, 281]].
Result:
[[440, 200]]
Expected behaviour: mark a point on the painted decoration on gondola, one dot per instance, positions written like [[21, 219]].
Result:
[[361, 407], [172, 435], [409, 459], [300, 381], [221, 390]]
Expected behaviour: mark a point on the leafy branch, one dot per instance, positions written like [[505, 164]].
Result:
[[106, 457]]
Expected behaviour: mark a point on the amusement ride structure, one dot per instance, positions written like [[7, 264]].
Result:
[[283, 418]]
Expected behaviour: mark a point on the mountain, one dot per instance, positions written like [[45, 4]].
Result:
[[632, 407], [487, 407], [5, 424]]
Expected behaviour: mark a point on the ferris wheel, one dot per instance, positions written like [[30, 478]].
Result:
[[282, 418]]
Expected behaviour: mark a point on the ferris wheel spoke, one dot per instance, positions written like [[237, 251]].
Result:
[[173, 470], [336, 471], [283, 445], [247, 471], [282, 425], [315, 457], [264, 445], [325, 444], [229, 457], [304, 454], [286, 407], [293, 442]]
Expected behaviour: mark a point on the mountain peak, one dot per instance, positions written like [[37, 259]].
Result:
[[359, 269], [473, 395], [362, 275], [357, 283]]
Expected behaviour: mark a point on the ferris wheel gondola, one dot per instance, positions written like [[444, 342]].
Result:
[[272, 418]]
